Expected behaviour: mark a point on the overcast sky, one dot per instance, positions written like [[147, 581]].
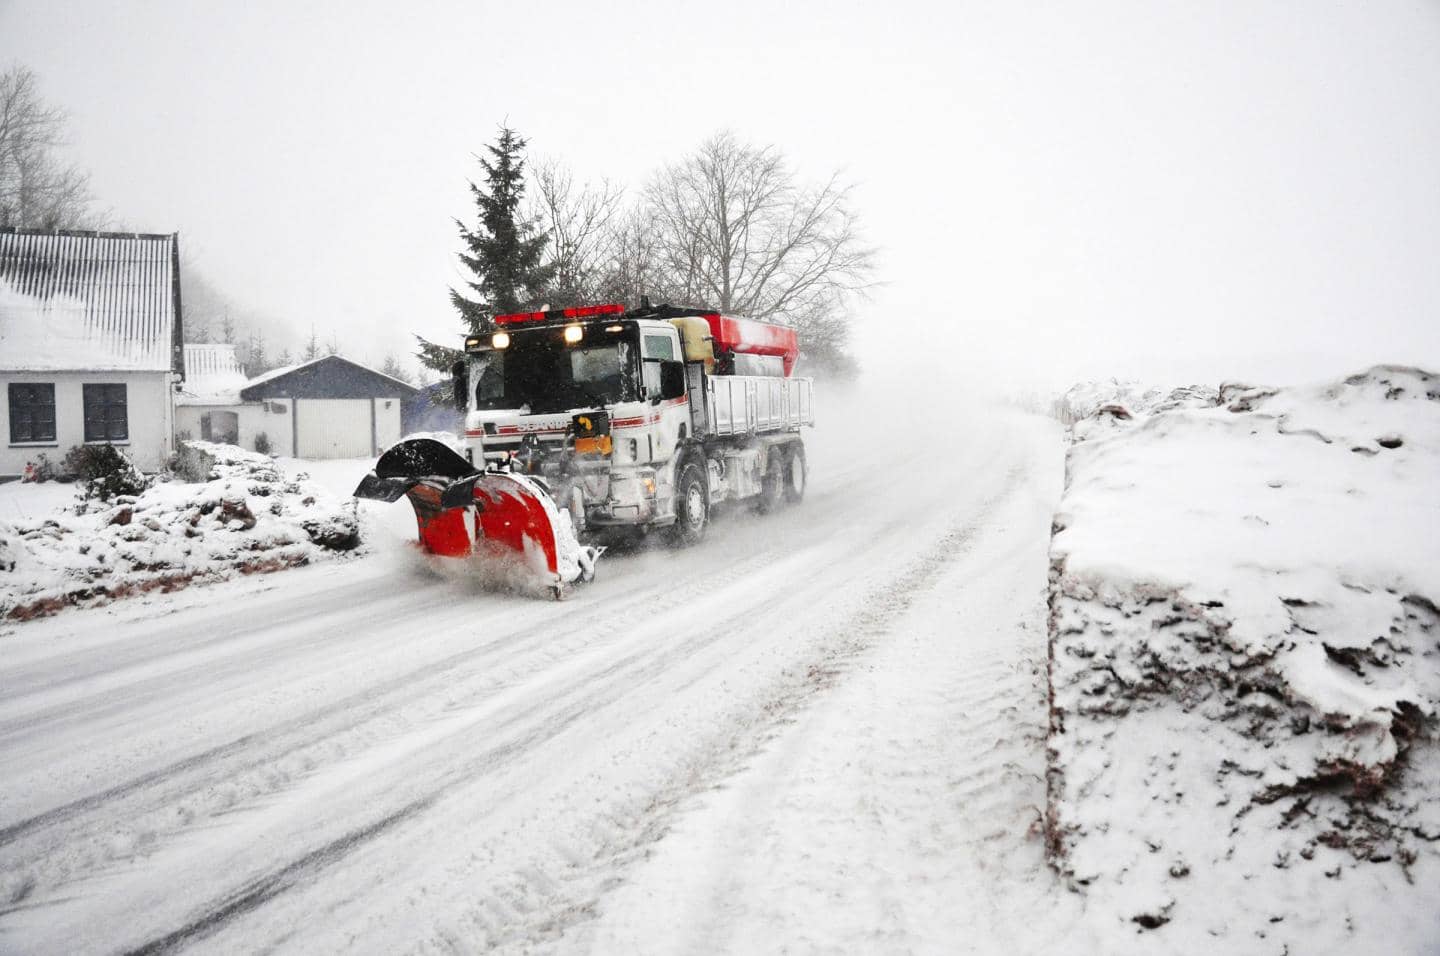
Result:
[[1147, 189]]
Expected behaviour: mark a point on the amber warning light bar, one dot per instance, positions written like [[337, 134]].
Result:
[[580, 312]]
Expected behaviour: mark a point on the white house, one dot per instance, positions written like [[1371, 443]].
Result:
[[208, 406], [90, 344]]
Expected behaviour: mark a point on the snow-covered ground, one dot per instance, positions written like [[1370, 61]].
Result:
[[231, 512], [368, 754], [1246, 665], [822, 730]]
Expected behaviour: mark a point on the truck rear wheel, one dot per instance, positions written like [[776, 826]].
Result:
[[692, 505], [795, 475], [772, 483]]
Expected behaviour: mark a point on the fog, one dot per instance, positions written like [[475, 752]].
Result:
[[1156, 190]]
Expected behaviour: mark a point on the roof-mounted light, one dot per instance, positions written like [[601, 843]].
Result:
[[578, 312], [590, 311], [516, 318], [500, 340], [574, 333]]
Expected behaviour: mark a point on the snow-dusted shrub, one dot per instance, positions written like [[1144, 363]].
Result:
[[105, 471], [1245, 663], [262, 443]]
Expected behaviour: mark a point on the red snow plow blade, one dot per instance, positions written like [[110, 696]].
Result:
[[462, 512]]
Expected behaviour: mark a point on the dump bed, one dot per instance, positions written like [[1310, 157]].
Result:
[[753, 404]]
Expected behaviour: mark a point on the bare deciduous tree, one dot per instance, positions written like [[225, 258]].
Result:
[[632, 266], [578, 220], [736, 232], [37, 189]]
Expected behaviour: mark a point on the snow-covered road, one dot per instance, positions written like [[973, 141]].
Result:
[[821, 728]]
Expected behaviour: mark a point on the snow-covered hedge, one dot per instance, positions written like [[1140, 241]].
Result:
[[1245, 663], [229, 511]]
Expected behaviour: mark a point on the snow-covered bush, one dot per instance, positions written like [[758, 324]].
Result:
[[1245, 662], [232, 511], [105, 471]]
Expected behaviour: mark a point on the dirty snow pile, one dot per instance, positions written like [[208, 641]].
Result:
[[1093, 409], [228, 511], [1245, 666]]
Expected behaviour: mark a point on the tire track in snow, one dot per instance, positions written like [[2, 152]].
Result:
[[786, 698], [323, 725], [160, 790], [876, 829], [586, 695]]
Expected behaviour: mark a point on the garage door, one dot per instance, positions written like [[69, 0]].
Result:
[[333, 428]]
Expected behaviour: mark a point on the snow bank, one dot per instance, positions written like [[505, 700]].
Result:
[[232, 512], [1245, 662]]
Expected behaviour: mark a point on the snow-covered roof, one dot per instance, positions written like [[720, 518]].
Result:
[[274, 373], [309, 379], [89, 300], [213, 375]]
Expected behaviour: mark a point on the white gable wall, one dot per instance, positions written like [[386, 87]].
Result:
[[148, 401], [274, 418]]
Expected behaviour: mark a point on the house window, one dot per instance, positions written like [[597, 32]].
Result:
[[106, 418], [32, 412]]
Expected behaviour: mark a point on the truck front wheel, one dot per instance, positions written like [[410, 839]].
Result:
[[692, 505]]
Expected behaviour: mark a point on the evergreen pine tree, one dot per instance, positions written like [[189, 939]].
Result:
[[284, 359], [504, 252], [312, 347], [256, 362]]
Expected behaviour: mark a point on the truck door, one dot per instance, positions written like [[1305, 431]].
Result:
[[657, 346]]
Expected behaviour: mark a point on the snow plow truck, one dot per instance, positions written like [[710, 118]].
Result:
[[586, 424]]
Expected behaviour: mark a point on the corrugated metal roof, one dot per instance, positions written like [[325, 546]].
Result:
[[213, 375], [128, 284]]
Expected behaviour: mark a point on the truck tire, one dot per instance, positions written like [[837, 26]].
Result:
[[795, 475], [772, 483], [692, 505]]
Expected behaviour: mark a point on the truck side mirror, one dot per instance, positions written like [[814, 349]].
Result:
[[461, 383], [672, 380]]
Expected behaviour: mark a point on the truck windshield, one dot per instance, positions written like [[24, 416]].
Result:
[[542, 373]]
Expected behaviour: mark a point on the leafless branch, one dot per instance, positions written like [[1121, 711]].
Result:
[[37, 189]]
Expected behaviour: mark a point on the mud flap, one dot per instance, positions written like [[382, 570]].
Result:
[[461, 511]]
